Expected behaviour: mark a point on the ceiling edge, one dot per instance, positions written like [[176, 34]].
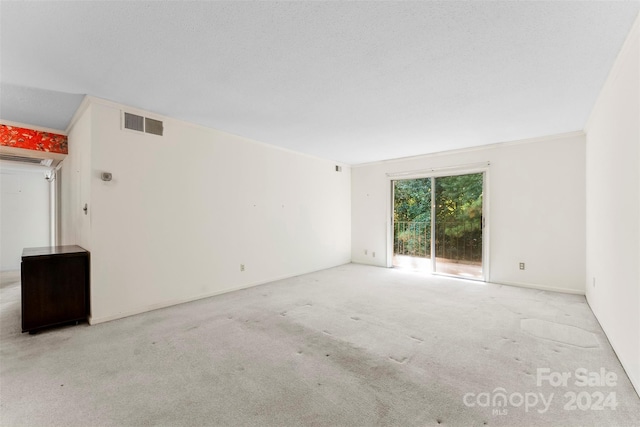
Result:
[[634, 33], [538, 139]]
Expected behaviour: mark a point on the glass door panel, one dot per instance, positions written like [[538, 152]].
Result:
[[412, 223], [458, 225]]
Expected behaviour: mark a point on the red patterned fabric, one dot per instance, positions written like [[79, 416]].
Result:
[[11, 136]]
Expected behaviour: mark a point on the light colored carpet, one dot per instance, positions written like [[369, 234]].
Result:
[[353, 345]]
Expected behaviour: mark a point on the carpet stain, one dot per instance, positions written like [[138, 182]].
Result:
[[382, 409], [400, 360], [559, 332], [355, 318]]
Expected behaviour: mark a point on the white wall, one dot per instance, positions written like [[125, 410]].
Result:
[[184, 210], [75, 176], [24, 212], [613, 207], [536, 209]]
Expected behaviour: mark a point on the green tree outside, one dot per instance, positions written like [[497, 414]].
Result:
[[458, 201]]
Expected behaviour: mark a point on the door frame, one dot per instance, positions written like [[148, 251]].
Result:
[[483, 168]]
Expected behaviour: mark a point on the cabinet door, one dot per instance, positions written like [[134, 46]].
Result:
[[53, 291]]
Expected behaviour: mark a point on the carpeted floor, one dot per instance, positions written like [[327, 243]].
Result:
[[350, 346]]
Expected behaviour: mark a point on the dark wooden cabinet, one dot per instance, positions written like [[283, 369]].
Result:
[[55, 286]]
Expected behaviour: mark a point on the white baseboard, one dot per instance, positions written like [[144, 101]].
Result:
[[369, 262], [635, 382], [540, 287], [165, 304]]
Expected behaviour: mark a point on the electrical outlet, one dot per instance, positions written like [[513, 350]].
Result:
[[522, 266], [241, 267], [373, 254], [366, 252]]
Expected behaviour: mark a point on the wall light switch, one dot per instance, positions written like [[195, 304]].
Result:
[[522, 266]]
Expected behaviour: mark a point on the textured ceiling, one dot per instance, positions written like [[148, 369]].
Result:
[[350, 81]]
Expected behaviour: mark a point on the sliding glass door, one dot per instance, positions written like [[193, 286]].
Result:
[[438, 224]]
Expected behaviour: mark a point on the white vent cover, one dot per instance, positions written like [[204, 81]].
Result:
[[24, 159], [142, 124]]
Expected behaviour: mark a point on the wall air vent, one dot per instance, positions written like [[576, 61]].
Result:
[[142, 124], [133, 122], [153, 126], [23, 159]]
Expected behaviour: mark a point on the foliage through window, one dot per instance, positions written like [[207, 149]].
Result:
[[458, 217]]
